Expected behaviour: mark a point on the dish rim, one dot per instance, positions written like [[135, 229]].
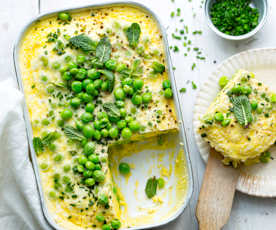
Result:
[[182, 128]]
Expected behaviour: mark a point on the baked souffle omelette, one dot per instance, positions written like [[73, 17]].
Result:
[[241, 121]]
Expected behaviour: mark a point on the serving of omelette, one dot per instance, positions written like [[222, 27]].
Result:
[[93, 79], [241, 122]]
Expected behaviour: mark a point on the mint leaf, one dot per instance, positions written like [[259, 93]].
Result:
[[133, 34], [112, 111], [110, 77], [73, 134], [242, 110], [83, 42], [151, 187], [103, 50], [38, 145]]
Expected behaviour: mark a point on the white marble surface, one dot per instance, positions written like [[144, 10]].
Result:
[[248, 213]]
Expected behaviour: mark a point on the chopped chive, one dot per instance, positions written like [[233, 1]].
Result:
[[194, 85], [193, 66], [176, 37], [183, 90]]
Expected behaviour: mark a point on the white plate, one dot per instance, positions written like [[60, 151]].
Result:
[[259, 179]]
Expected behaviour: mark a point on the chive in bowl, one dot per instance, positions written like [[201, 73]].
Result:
[[261, 5]]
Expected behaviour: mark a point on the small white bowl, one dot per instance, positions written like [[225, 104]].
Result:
[[262, 5]]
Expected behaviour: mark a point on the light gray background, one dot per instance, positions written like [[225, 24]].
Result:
[[249, 213]]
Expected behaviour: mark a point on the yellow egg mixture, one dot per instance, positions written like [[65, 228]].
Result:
[[43, 55]]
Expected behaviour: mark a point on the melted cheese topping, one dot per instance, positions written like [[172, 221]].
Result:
[[77, 210]]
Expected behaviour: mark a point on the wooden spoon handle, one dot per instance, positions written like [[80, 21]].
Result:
[[216, 194]]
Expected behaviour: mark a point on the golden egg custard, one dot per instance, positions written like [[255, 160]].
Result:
[[241, 122], [92, 79]]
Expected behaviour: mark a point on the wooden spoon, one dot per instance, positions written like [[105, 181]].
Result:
[[216, 194]]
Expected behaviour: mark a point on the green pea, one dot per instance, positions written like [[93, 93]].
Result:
[[146, 97], [44, 166], [124, 168], [89, 182], [110, 64], [58, 158], [226, 122], [89, 107], [80, 168], [68, 58], [126, 133], [168, 93], [66, 179], [102, 115], [60, 123], [134, 126], [119, 94], [44, 61], [98, 83], [76, 86], [94, 158], [50, 89], [80, 59], [88, 131], [90, 165], [86, 117], [161, 183], [138, 84], [66, 114], [52, 194], [90, 88], [89, 148], [236, 89], [79, 125], [98, 175], [127, 81], [273, 98], [97, 135], [254, 105], [223, 81], [63, 16], [219, 117], [259, 110], [104, 132], [103, 199], [166, 84], [106, 227], [136, 99], [63, 69], [98, 167], [71, 65], [104, 86], [45, 122], [74, 71], [115, 224], [246, 90], [56, 65], [120, 67], [82, 160], [44, 78], [123, 112], [86, 97], [129, 119], [88, 173], [100, 218], [97, 124], [86, 82], [81, 74], [120, 104], [93, 74], [66, 76], [75, 102], [121, 124], [113, 132], [158, 67], [66, 168], [128, 89]]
